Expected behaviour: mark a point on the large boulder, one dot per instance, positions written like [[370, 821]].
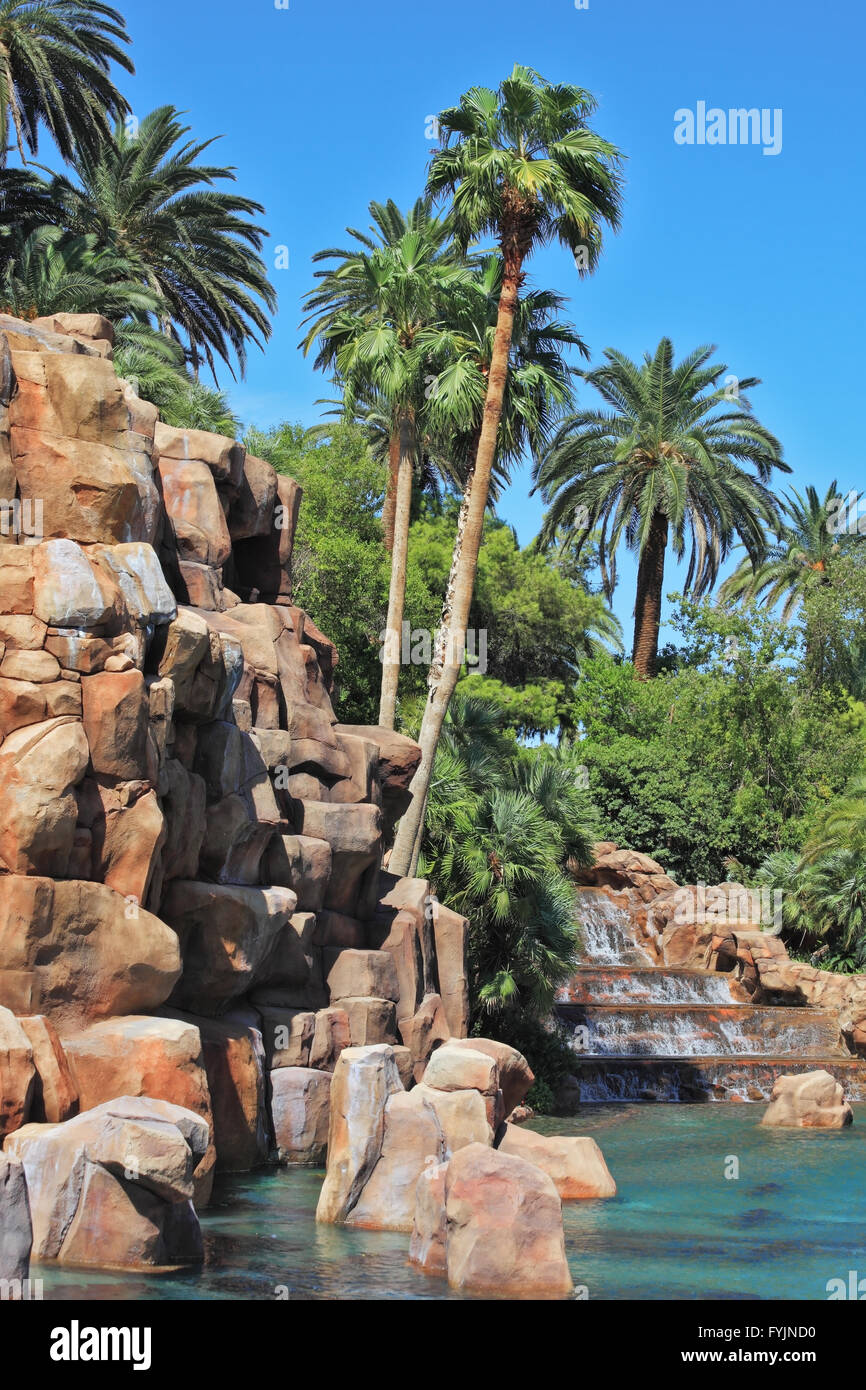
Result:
[[515, 1074], [40, 766], [814, 1100], [576, 1165], [364, 1080], [300, 1110], [227, 935], [503, 1221], [16, 1233], [55, 1095], [145, 1056], [412, 1137], [233, 1054], [80, 952], [113, 1187], [398, 759]]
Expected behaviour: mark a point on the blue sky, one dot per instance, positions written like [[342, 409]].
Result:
[[324, 106]]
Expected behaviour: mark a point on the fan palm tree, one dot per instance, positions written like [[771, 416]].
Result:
[[377, 321], [51, 272], [662, 466], [802, 556], [55, 57], [148, 199], [521, 164]]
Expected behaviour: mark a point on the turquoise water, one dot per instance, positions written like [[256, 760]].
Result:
[[677, 1229]]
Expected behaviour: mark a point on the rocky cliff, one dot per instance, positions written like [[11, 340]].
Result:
[[192, 903]]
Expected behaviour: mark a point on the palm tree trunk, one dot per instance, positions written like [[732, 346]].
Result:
[[648, 602], [389, 510], [397, 591], [448, 658]]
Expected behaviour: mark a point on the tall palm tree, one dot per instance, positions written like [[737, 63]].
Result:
[[377, 321], [55, 57], [661, 466], [147, 198], [522, 164], [50, 272], [538, 389], [801, 558]]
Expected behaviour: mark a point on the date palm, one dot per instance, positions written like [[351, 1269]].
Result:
[[521, 164], [802, 556], [51, 272], [147, 197], [377, 320], [55, 57], [663, 465]]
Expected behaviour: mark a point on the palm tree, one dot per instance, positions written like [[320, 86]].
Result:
[[538, 389], [521, 164], [55, 57], [662, 465], [801, 558], [51, 272], [377, 320], [146, 197]]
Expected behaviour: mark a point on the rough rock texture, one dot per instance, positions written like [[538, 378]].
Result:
[[576, 1165], [191, 890], [300, 1106], [814, 1100], [498, 1226], [114, 1186], [16, 1234], [364, 1079]]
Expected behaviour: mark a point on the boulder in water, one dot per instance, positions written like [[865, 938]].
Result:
[[814, 1100]]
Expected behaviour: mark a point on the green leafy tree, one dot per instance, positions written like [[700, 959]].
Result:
[[55, 60], [522, 164], [663, 465], [51, 272]]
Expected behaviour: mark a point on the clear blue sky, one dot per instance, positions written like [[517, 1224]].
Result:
[[323, 107]]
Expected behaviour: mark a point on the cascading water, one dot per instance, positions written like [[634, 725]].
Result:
[[642, 1032]]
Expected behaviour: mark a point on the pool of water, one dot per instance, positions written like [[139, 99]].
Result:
[[679, 1228]]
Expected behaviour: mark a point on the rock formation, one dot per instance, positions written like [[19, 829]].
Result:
[[193, 910], [814, 1100]]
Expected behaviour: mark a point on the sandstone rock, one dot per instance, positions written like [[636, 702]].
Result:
[[79, 952], [429, 1225], [194, 512], [462, 1069], [115, 721], [462, 1115], [30, 666], [252, 511], [331, 1037], [17, 589], [397, 764], [160, 1058], [223, 456], [412, 1139], [39, 767], [292, 976], [355, 836], [300, 1106], [287, 1036], [17, 1074], [504, 1227], [183, 805], [102, 1186], [576, 1165], [67, 592], [135, 569], [370, 1020], [127, 839], [20, 631], [364, 1080], [450, 940], [227, 934], [233, 1058], [89, 491], [515, 1075], [336, 930], [16, 1233], [302, 864], [55, 1094], [424, 1032], [25, 702], [813, 1100], [366, 973]]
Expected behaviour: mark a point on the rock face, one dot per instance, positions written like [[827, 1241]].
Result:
[[192, 903], [114, 1186], [494, 1222], [814, 1100], [16, 1233], [576, 1165]]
